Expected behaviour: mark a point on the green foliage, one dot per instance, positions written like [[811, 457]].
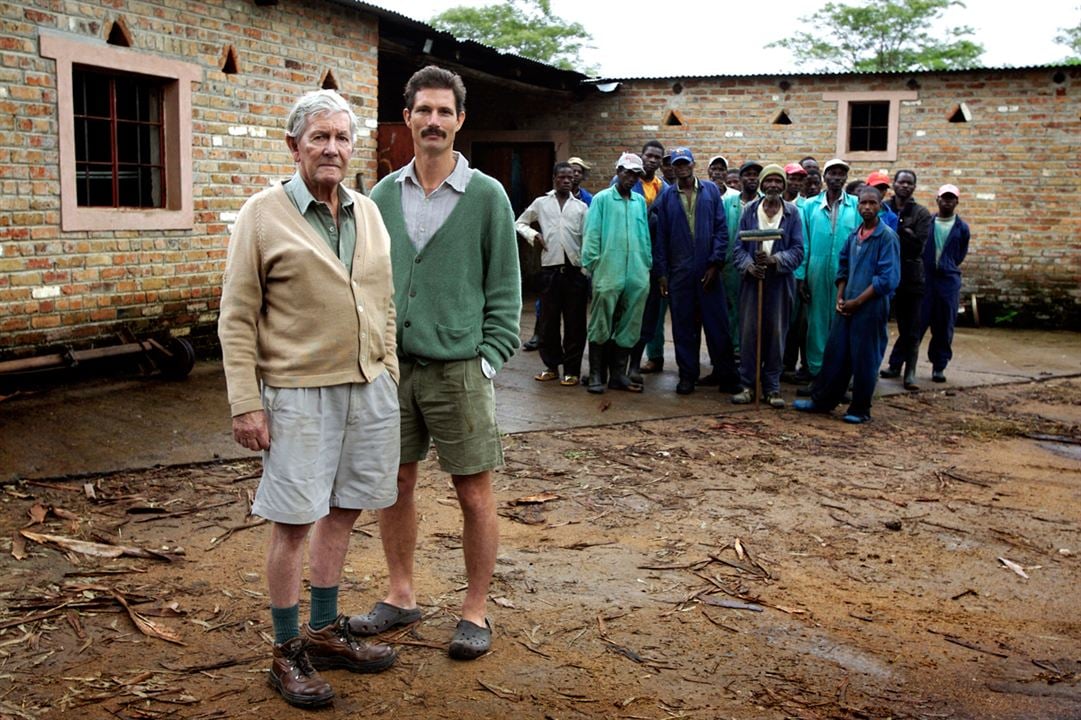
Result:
[[882, 36], [1071, 38], [523, 27]]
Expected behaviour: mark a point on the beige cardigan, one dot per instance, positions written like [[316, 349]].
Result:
[[290, 315]]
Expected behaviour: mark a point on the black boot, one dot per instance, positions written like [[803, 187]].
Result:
[[596, 368], [617, 371], [910, 371]]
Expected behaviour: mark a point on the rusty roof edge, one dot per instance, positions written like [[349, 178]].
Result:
[[783, 74], [404, 21]]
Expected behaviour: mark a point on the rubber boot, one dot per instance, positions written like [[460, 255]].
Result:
[[635, 370], [617, 371], [596, 368], [910, 371]]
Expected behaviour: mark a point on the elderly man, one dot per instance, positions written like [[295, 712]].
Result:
[[769, 264], [307, 337], [457, 289], [616, 254], [733, 278], [828, 219], [692, 241]]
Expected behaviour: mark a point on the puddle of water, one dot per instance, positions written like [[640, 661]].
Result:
[[1066, 450]]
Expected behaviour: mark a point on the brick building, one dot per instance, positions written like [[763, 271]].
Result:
[[1010, 139], [131, 134], [98, 234]]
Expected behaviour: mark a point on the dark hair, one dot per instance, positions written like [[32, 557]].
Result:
[[870, 189], [809, 157], [653, 143], [905, 170], [561, 165], [433, 77], [852, 187]]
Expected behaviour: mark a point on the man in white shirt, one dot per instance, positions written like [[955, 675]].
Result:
[[564, 289]]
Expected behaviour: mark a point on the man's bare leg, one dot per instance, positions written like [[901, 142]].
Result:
[[284, 563], [480, 540], [329, 545], [398, 531]]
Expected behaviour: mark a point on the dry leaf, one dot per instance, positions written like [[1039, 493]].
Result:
[[1014, 566], [146, 627], [91, 548], [18, 546], [503, 602], [538, 498], [88, 490], [38, 513], [65, 514], [739, 549]]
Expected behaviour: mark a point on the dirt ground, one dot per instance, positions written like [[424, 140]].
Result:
[[759, 565]]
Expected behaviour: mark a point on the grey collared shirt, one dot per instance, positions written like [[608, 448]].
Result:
[[340, 237], [425, 214]]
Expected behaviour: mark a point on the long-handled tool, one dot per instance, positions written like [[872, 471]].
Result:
[[758, 237]]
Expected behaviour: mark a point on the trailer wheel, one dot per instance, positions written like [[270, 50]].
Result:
[[179, 364]]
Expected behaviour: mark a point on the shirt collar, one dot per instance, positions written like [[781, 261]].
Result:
[[303, 197], [458, 178]]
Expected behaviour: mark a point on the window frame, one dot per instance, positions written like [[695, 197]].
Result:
[[176, 76], [844, 115]]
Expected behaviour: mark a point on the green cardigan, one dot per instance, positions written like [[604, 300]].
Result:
[[462, 295]]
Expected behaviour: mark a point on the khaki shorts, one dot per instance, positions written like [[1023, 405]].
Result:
[[453, 404], [333, 446]]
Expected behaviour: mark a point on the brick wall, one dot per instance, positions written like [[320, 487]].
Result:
[[1017, 162], [61, 287]]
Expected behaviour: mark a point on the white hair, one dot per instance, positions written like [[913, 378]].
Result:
[[317, 102]]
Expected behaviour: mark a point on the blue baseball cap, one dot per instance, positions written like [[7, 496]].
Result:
[[682, 153]]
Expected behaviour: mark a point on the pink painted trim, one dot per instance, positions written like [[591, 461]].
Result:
[[178, 214], [844, 98]]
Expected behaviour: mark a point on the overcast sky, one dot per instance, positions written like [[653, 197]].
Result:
[[712, 37]]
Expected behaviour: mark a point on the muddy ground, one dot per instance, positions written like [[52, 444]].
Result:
[[758, 565]]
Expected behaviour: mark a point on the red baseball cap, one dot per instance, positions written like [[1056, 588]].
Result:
[[878, 178]]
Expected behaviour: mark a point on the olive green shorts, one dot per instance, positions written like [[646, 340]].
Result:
[[452, 404]]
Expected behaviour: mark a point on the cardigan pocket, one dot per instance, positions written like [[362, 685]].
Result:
[[457, 341]]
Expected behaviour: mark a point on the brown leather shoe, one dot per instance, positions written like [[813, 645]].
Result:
[[335, 646], [292, 675], [652, 366]]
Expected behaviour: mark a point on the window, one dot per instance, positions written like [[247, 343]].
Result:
[[125, 135], [118, 139], [868, 122], [868, 126]]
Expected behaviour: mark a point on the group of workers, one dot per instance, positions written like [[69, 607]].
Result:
[[785, 270]]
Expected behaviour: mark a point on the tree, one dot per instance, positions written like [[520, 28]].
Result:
[[882, 36], [523, 27], [1071, 38]]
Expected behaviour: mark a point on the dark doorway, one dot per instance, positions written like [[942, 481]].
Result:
[[525, 169]]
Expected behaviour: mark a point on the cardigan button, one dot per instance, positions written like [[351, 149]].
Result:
[[412, 293], [417, 260], [407, 323]]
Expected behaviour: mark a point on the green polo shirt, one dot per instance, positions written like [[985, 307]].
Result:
[[341, 237]]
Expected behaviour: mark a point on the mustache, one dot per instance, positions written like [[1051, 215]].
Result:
[[426, 132]]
